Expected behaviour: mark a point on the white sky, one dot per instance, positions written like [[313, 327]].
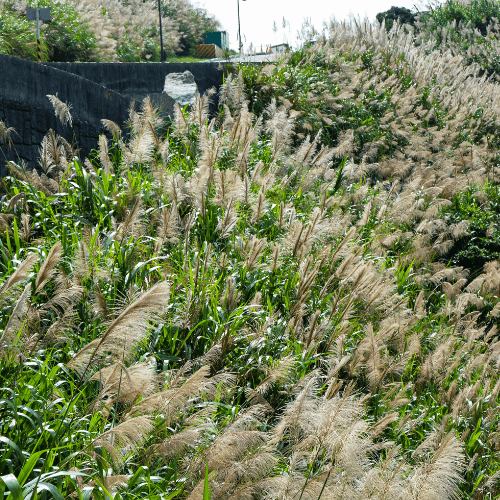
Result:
[[257, 16]]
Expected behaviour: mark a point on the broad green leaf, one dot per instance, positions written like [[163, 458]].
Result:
[[14, 487]]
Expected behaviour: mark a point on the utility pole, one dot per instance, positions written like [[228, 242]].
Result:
[[161, 32], [239, 28], [38, 14]]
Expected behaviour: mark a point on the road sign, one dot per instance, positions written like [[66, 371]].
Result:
[[43, 13]]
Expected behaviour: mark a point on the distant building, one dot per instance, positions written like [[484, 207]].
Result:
[[282, 47], [219, 38], [309, 43]]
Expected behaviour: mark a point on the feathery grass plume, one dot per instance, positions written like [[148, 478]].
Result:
[[170, 224], [150, 116], [256, 247], [231, 446], [17, 321], [199, 113], [104, 155], [256, 174], [48, 267], [312, 326], [181, 124], [306, 150], [227, 224], [245, 472], [211, 145], [228, 186], [297, 415], [255, 398], [125, 438], [112, 127], [176, 189], [125, 332], [20, 274], [452, 290], [53, 154], [181, 442], [66, 297], [232, 93], [25, 229], [5, 133], [276, 374], [131, 225], [140, 149], [172, 402], [306, 279], [124, 385], [62, 110], [16, 200], [56, 333], [440, 476], [371, 349], [280, 125], [82, 261], [448, 274], [346, 144], [259, 208]]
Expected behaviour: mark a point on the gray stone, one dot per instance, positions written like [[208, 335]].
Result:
[[179, 87]]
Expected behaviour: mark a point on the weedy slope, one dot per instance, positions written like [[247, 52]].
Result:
[[229, 308]]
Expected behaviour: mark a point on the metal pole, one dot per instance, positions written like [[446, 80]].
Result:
[[161, 32], [239, 27], [38, 46]]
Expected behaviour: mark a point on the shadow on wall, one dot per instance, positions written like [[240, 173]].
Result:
[[95, 91]]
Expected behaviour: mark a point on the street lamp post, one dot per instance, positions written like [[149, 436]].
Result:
[[161, 31]]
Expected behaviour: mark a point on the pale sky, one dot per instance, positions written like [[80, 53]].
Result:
[[257, 16]]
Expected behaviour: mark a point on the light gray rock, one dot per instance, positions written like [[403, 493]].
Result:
[[179, 87]]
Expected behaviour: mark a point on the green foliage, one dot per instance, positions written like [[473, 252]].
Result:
[[402, 14], [476, 12], [481, 209], [65, 38]]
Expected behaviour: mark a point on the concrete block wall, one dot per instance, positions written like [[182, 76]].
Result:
[[94, 90], [24, 105]]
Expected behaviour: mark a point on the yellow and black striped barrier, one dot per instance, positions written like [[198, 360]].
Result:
[[207, 51], [39, 49]]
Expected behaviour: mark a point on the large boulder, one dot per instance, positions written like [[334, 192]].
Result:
[[179, 87]]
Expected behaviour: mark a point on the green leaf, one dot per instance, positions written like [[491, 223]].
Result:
[[173, 494], [14, 487], [28, 467], [13, 445], [50, 487], [207, 493]]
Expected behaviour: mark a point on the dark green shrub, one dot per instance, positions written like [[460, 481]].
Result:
[[402, 14]]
